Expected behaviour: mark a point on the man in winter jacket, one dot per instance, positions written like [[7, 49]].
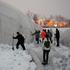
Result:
[[57, 36], [49, 35], [20, 40], [37, 36]]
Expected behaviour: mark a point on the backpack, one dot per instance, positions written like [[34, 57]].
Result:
[[47, 44]]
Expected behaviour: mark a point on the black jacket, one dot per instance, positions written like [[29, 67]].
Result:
[[20, 38], [57, 35]]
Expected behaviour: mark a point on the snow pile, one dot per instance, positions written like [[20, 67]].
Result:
[[65, 37], [15, 60], [11, 21]]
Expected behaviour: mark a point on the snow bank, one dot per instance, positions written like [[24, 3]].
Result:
[[15, 60], [11, 21], [65, 37]]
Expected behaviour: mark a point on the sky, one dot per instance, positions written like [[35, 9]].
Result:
[[42, 7]]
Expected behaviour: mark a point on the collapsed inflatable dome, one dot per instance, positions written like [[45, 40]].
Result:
[[11, 21]]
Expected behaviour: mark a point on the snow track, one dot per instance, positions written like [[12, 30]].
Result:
[[59, 57]]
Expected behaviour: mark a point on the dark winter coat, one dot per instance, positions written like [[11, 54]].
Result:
[[37, 34], [57, 35], [49, 34], [20, 38]]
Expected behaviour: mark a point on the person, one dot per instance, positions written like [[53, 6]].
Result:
[[21, 39], [49, 35], [43, 34], [37, 36], [57, 36], [46, 50]]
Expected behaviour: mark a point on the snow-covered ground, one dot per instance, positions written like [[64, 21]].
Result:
[[15, 60], [59, 57], [65, 37]]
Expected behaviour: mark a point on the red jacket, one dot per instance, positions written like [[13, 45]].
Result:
[[43, 35]]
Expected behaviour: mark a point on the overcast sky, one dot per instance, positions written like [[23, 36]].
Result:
[[43, 7]]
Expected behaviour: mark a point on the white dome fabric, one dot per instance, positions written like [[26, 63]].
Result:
[[11, 21]]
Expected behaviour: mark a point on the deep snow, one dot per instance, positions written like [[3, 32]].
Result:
[[59, 57], [15, 60]]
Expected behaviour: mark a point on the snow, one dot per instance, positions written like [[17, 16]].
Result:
[[15, 60], [11, 21], [65, 37], [59, 57]]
